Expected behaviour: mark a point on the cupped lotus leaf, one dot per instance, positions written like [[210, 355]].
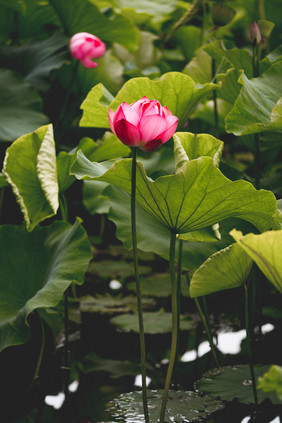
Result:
[[182, 406], [265, 250], [37, 268], [84, 16], [188, 146], [229, 85], [197, 197], [20, 106], [152, 236], [226, 269], [30, 168], [258, 107], [95, 107], [229, 383], [174, 90]]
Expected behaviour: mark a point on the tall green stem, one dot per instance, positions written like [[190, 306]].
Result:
[[256, 58], [205, 319], [249, 342], [207, 328], [138, 288], [178, 282], [215, 111], [174, 310]]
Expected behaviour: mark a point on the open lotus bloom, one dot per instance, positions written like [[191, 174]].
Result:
[[144, 124], [85, 46]]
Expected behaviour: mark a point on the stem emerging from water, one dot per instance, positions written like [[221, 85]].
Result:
[[137, 281], [250, 352], [174, 308]]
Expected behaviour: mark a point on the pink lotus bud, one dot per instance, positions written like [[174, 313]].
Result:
[[144, 124], [254, 34], [84, 47]]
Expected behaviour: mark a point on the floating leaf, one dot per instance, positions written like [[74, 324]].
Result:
[[265, 250], [157, 8], [182, 406], [258, 107], [229, 383], [20, 106], [174, 90], [110, 269], [197, 197], [158, 285], [37, 268], [154, 322], [115, 368], [30, 168], [226, 269], [108, 304]]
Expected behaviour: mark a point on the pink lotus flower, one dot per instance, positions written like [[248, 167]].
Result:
[[84, 47], [144, 124]]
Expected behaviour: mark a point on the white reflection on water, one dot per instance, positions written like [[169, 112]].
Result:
[[57, 401], [138, 380], [246, 419], [276, 420], [228, 343]]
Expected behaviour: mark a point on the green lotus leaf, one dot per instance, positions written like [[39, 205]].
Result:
[[229, 383], [259, 106], [174, 90], [194, 198], [20, 106], [188, 146], [152, 236], [37, 59], [265, 250], [30, 168], [154, 322], [181, 406], [37, 267], [272, 381], [226, 269], [83, 15]]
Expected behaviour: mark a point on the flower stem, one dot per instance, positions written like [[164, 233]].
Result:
[[249, 342], [204, 318], [138, 288], [256, 58], [214, 101], [174, 307]]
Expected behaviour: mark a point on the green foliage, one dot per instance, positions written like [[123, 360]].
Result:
[[174, 90], [258, 107], [30, 168], [37, 268], [20, 106], [229, 383], [181, 404], [264, 250], [196, 197], [272, 381], [226, 269]]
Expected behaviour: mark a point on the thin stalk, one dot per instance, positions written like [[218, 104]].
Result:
[[66, 358], [2, 190], [256, 58], [249, 343], [261, 9], [207, 328], [203, 28], [174, 310], [40, 356], [66, 367], [178, 282], [215, 111], [138, 288]]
